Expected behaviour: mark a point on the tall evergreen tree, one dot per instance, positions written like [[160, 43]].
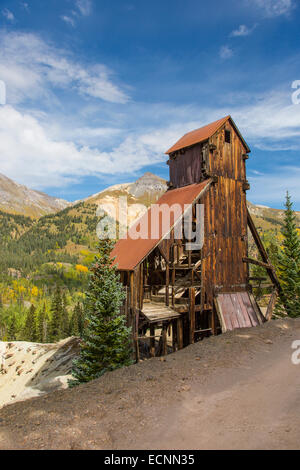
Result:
[[106, 338], [42, 325], [12, 329], [77, 322], [289, 263], [65, 322], [55, 326], [29, 331]]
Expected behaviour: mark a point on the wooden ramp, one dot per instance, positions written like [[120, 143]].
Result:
[[238, 310], [155, 312]]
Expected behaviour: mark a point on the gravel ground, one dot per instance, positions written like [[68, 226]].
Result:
[[235, 391]]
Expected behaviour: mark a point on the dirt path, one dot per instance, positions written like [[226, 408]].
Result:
[[236, 391]]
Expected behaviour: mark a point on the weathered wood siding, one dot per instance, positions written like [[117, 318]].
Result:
[[225, 242], [186, 166]]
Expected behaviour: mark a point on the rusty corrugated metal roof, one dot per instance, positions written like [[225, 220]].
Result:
[[129, 253], [202, 134]]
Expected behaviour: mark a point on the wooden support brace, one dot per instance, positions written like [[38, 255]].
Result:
[[180, 333], [164, 340], [192, 315], [271, 305], [258, 263], [152, 340], [262, 251]]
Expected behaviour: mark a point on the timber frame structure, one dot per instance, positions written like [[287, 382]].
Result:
[[175, 295]]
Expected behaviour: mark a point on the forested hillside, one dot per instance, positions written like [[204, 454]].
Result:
[[44, 262]]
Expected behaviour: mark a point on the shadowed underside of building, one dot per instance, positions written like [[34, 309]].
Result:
[[180, 290]]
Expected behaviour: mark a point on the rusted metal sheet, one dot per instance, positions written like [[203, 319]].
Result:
[[203, 134], [130, 252], [235, 310]]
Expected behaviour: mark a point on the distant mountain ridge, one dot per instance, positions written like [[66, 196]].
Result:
[[146, 190], [18, 199]]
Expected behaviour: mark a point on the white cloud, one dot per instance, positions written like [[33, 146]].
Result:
[[273, 8], [31, 156], [68, 20], [84, 6], [226, 52], [242, 30], [8, 14], [32, 68]]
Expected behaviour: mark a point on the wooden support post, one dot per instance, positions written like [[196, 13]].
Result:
[[263, 252], [136, 331], [213, 322], [152, 340], [164, 340], [192, 314], [174, 335], [271, 305], [179, 333], [168, 285]]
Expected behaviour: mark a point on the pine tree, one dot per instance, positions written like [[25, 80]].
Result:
[[65, 322], [106, 338], [289, 264], [29, 331], [76, 323], [12, 329], [55, 326], [42, 325]]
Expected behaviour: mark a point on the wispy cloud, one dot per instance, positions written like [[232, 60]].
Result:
[[84, 7], [8, 14], [242, 30], [226, 52], [273, 8], [32, 68], [67, 19]]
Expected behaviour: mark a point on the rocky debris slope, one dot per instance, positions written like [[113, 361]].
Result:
[[29, 370]]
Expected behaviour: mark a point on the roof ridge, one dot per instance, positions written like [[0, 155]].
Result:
[[203, 133]]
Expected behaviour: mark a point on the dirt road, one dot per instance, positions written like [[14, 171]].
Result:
[[236, 391]]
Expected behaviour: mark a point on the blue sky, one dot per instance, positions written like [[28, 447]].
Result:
[[98, 90]]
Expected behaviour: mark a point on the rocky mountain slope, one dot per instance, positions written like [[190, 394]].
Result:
[[139, 196], [267, 218], [30, 370], [18, 199]]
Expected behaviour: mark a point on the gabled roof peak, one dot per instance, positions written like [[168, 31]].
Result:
[[202, 134]]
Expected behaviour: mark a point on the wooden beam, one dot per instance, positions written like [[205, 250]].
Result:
[[271, 305], [180, 333], [258, 263], [220, 315], [174, 335], [192, 315], [167, 285], [152, 340], [164, 340], [262, 251]]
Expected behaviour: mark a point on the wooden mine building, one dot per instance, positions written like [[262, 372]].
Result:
[[182, 294]]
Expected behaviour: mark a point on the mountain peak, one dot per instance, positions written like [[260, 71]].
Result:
[[147, 184]]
